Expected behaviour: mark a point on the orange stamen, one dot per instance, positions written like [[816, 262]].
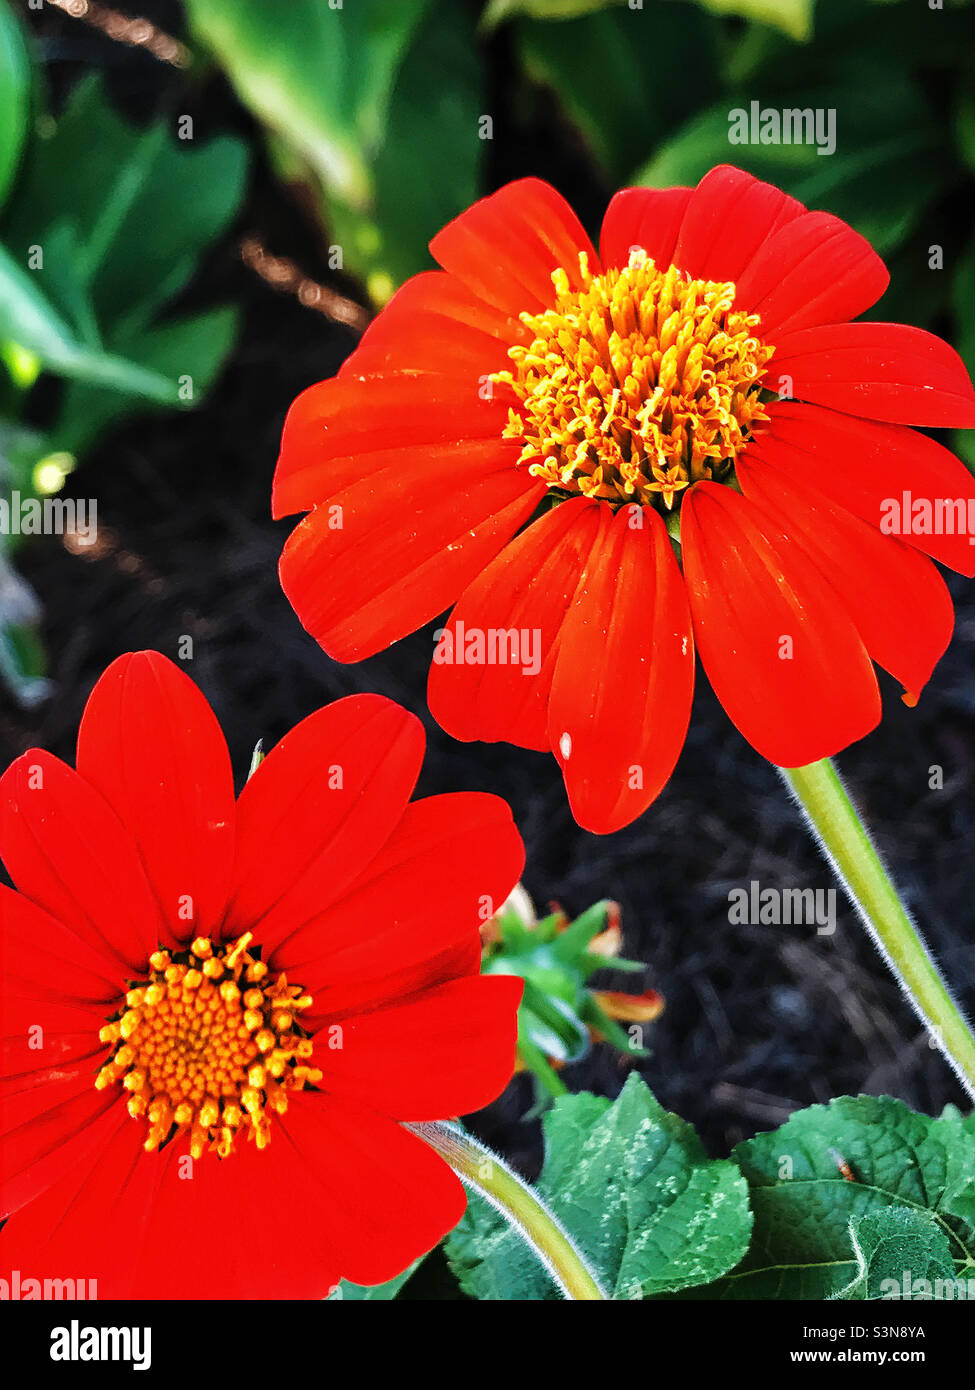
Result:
[[637, 385], [206, 1057]]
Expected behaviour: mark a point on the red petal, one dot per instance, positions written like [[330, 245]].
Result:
[[527, 589], [403, 544], [751, 587], [379, 1195], [506, 246], [647, 217], [454, 1048], [55, 993], [624, 677], [434, 322], [867, 467], [36, 948], [150, 743], [45, 1040], [49, 1129], [318, 810], [729, 216], [813, 270], [885, 371], [289, 1252], [88, 1225], [346, 1192], [358, 424], [412, 919], [67, 851], [898, 601]]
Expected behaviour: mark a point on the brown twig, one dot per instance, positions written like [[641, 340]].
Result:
[[137, 33], [282, 274]]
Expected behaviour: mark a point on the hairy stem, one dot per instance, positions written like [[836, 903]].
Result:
[[847, 845], [483, 1171]]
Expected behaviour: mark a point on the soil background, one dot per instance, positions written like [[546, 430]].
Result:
[[759, 1020]]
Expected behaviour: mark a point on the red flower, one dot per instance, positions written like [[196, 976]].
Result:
[[215, 1015], [701, 368]]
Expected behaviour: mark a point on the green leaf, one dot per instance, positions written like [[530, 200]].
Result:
[[552, 1025], [900, 1252], [21, 657], [188, 349], [595, 1016], [804, 1206], [28, 319], [536, 1061], [428, 166], [21, 653], [498, 11], [794, 17], [634, 1188], [570, 944], [889, 161], [645, 100], [142, 205], [377, 105], [321, 78], [120, 217], [20, 448], [15, 85]]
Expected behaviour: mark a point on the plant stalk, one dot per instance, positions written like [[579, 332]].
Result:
[[846, 843], [480, 1169]]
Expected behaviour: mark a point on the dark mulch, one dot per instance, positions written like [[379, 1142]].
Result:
[[759, 1020]]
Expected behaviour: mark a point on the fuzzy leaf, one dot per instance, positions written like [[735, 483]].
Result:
[[899, 1253], [633, 1186], [805, 1209]]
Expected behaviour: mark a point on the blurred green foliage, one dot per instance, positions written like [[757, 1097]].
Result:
[[794, 16], [380, 107], [375, 105], [122, 217], [104, 225], [15, 84]]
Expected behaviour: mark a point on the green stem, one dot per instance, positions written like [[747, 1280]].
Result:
[[480, 1169], [847, 845]]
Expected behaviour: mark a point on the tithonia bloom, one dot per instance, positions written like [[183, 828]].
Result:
[[216, 1016], [607, 462]]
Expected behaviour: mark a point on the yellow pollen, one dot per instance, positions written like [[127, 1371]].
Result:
[[637, 385], [207, 1058]]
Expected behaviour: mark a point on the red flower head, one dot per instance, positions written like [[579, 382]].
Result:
[[700, 378], [215, 1015]]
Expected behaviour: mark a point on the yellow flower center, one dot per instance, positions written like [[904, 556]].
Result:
[[637, 385], [209, 1044]]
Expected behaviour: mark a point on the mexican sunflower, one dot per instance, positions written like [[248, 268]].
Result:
[[607, 462], [216, 1015]]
